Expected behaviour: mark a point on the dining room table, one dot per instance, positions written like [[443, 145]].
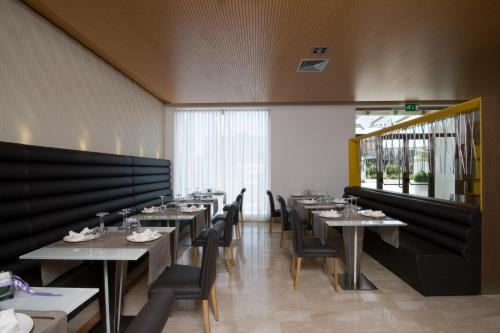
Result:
[[305, 206], [49, 308], [210, 203], [114, 250], [174, 216], [353, 226]]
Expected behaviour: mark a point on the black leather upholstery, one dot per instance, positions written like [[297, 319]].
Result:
[[45, 192], [274, 212], [243, 190], [154, 315], [439, 251], [224, 229], [189, 282], [222, 217], [285, 212], [310, 247]]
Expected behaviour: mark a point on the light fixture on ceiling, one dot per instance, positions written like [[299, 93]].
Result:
[[320, 49], [312, 65]]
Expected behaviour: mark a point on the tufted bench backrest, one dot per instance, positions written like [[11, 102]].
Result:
[[45, 192], [451, 226]]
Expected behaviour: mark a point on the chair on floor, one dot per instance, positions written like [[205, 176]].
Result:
[[243, 190], [309, 247], [190, 282], [236, 223], [286, 227], [154, 315], [275, 213], [224, 229]]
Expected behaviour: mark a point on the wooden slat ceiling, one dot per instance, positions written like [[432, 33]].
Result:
[[247, 51]]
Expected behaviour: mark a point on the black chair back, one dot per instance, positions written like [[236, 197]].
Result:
[[242, 193], [284, 214], [209, 263], [271, 203], [219, 226], [239, 204], [231, 219], [297, 231]]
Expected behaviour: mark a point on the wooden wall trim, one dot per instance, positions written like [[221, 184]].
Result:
[[490, 275]]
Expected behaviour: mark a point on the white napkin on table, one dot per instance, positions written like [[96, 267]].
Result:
[[149, 210], [330, 213], [78, 236], [308, 201], [339, 200], [189, 209], [8, 321], [374, 213], [145, 235]]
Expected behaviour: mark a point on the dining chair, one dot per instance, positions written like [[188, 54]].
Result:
[[309, 247], [236, 222], [286, 227], [191, 282], [275, 213], [154, 315], [224, 229], [243, 190]]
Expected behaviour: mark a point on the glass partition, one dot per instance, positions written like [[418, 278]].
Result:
[[436, 155]]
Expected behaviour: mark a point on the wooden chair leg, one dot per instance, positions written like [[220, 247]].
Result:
[[294, 263], [325, 270], [228, 259], [335, 276], [206, 319], [238, 226], [213, 299], [297, 271]]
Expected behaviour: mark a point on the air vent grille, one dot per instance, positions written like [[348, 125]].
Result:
[[312, 65]]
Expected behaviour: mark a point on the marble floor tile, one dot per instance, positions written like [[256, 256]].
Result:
[[259, 297]]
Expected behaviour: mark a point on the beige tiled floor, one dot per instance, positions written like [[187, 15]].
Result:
[[259, 297]]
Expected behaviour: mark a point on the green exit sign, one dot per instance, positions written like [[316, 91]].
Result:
[[411, 107]]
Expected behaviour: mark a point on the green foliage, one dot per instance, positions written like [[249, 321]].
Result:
[[421, 177], [392, 170], [371, 170]]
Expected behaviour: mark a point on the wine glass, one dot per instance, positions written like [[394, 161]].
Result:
[[102, 227], [162, 197]]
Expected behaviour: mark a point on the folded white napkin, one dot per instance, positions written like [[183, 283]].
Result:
[[312, 201], [148, 210], [8, 321], [78, 236], [330, 213], [339, 200], [189, 209], [374, 213], [145, 236]]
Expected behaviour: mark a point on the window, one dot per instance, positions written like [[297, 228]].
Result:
[[224, 149]]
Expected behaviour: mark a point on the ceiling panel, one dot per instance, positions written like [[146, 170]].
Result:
[[247, 51]]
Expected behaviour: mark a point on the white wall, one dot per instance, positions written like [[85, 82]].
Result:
[[309, 146], [54, 92]]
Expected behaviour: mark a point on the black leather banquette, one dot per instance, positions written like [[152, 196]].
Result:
[[45, 192], [439, 251]]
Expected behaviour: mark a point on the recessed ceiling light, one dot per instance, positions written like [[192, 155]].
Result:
[[319, 49]]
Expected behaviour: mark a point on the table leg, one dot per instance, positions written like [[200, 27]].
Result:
[[353, 247], [106, 296], [176, 245], [113, 291]]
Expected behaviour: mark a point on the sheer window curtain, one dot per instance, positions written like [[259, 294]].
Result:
[[224, 149]]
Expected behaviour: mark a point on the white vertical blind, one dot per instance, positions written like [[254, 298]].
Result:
[[226, 149]]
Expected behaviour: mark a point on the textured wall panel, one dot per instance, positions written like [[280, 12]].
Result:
[[54, 92]]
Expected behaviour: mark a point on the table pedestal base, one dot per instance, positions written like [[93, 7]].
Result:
[[363, 283]]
